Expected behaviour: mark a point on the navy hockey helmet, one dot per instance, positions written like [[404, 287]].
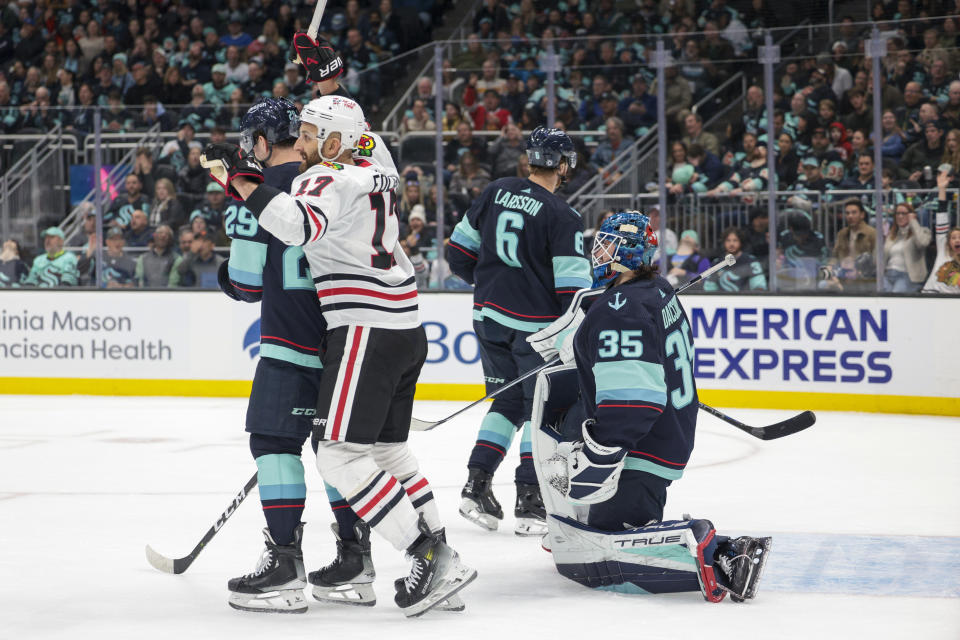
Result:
[[276, 118], [547, 147], [625, 242]]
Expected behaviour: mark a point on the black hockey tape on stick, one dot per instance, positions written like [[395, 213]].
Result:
[[787, 427], [179, 565], [417, 424]]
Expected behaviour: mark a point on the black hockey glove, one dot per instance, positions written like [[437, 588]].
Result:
[[227, 161], [223, 279], [318, 57]]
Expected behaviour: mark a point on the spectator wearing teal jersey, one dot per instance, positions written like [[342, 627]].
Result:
[[218, 90], [745, 275], [56, 267]]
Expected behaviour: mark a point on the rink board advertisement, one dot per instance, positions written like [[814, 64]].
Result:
[[862, 354]]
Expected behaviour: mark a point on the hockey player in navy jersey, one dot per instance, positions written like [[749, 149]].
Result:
[[606, 463], [342, 212], [521, 247]]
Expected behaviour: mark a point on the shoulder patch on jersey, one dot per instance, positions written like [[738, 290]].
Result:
[[366, 145], [332, 165]]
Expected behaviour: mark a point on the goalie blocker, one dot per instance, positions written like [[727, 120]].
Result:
[[659, 557]]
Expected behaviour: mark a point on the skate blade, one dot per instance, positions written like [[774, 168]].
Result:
[[454, 603], [455, 580], [287, 601], [530, 527], [545, 543], [751, 592], [471, 511], [354, 595]]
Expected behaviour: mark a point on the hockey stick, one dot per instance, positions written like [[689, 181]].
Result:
[[179, 565], [314, 23], [417, 424], [787, 427]]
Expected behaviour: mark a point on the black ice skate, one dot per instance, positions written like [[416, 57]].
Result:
[[276, 585], [741, 561], [436, 574], [530, 513], [478, 504], [349, 578]]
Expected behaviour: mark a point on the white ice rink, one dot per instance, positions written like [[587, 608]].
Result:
[[864, 511]]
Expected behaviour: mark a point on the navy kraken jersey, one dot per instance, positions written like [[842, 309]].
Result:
[[634, 355], [264, 268], [522, 249]]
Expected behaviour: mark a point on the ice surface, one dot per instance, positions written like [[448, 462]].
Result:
[[864, 510]]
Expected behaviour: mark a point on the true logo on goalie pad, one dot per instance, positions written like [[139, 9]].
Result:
[[639, 542]]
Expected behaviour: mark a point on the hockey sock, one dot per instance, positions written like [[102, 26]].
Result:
[[282, 493], [493, 442], [526, 473], [420, 494], [344, 515]]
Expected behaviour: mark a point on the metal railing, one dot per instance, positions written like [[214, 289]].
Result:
[[33, 188]]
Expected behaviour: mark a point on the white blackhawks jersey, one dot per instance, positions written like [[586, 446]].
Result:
[[345, 216]]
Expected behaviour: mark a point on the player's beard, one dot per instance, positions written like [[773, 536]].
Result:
[[310, 160]]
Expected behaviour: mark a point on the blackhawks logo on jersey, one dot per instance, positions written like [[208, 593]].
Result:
[[333, 165], [365, 146]]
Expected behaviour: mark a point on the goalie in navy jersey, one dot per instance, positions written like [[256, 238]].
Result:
[[521, 247], [605, 463]]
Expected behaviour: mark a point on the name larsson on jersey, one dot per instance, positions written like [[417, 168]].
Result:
[[19, 339], [514, 202]]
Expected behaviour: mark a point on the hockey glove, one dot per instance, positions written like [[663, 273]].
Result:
[[223, 279], [227, 161], [317, 57], [557, 338], [592, 468]]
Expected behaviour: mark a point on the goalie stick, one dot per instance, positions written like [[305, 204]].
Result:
[[787, 427], [179, 565], [417, 424]]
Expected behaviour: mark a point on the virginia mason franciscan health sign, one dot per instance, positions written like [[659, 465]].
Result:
[[864, 354]]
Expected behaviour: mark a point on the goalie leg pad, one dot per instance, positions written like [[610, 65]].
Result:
[[667, 557]]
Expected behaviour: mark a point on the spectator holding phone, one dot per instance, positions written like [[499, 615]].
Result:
[[904, 250]]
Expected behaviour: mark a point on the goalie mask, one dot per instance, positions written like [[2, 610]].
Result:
[[625, 242], [336, 114], [274, 118]]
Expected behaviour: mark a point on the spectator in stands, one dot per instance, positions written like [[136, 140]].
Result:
[[855, 239], [212, 210], [218, 90], [140, 232], [688, 261], [452, 117], [695, 134], [925, 153], [668, 241], [118, 267], [894, 139], [490, 116], [938, 85], [236, 36], [12, 268], [166, 209], [612, 144], [417, 119], [745, 275], [123, 206], [122, 78], [464, 142], [787, 161], [506, 150], [756, 239], [861, 114], [864, 178], [590, 108], [951, 149], [469, 179], [812, 179], [904, 250], [197, 268], [38, 114], [411, 196], [145, 83], [257, 85], [237, 71], [638, 110], [192, 178], [55, 267], [800, 252]]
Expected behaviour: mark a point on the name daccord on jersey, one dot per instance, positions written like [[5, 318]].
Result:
[[345, 218]]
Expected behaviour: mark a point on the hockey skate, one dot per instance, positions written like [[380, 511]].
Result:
[[741, 561], [349, 578], [276, 585], [436, 574], [531, 516], [478, 504]]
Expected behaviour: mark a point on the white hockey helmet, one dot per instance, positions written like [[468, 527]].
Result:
[[331, 114]]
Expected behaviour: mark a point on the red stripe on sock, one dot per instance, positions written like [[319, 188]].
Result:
[[420, 485], [377, 498]]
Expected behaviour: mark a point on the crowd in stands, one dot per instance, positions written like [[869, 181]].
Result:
[[494, 87]]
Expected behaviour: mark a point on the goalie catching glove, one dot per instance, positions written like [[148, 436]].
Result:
[[556, 339], [227, 161], [317, 57], [593, 470]]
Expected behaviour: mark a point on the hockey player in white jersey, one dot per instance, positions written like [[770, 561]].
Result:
[[344, 216]]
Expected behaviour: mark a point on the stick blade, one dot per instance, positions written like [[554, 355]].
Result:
[[417, 424], [159, 562], [788, 427]]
